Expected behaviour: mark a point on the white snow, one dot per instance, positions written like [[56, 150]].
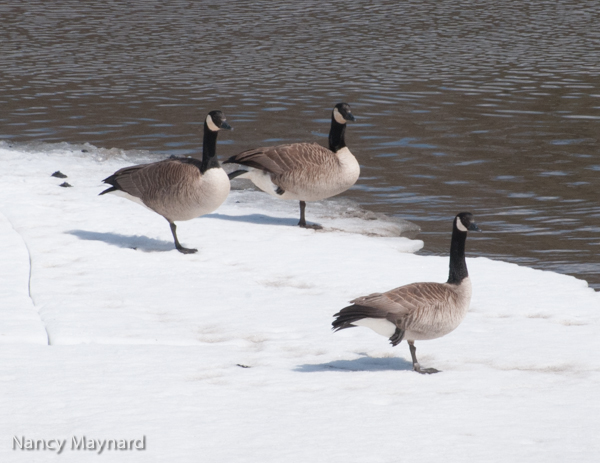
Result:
[[146, 341]]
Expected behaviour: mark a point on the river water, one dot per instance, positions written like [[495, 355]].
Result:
[[486, 106]]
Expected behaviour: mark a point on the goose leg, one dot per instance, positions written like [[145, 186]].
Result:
[[302, 222], [178, 246], [416, 366]]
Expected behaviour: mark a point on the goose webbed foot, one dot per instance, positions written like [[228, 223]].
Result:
[[416, 366], [312, 226], [303, 223], [183, 250], [424, 371]]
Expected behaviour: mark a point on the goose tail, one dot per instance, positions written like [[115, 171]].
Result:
[[112, 181], [236, 173], [373, 318], [353, 313]]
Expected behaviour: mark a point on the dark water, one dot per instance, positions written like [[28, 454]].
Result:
[[487, 106]]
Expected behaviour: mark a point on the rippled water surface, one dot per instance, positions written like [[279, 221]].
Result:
[[487, 106]]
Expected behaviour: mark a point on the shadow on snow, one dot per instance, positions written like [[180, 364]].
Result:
[[259, 219], [141, 243], [363, 363]]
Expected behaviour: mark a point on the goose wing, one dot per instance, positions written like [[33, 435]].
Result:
[[396, 305], [125, 180], [407, 299], [280, 159], [145, 180]]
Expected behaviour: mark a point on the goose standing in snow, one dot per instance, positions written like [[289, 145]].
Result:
[[303, 171], [178, 188], [418, 311]]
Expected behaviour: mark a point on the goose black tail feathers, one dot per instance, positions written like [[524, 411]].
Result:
[[236, 173], [354, 313]]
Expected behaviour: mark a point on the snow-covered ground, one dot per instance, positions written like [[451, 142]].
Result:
[[227, 355]]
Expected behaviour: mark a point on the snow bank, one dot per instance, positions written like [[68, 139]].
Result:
[[227, 354]]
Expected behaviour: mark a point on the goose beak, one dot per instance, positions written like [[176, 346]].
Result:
[[350, 117], [226, 126], [473, 227]]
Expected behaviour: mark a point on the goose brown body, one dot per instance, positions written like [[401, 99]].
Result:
[[174, 188], [420, 310], [300, 171]]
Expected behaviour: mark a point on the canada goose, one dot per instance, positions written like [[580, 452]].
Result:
[[303, 171], [418, 311], [178, 188]]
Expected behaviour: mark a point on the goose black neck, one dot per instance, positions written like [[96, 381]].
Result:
[[336, 135], [209, 150], [458, 265]]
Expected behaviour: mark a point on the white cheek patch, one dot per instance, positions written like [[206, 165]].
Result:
[[211, 125], [460, 225], [338, 117]]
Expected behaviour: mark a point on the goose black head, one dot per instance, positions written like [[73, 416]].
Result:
[[465, 222], [342, 113], [215, 121]]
